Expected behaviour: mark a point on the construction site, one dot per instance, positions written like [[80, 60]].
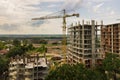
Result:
[[59, 40], [88, 42]]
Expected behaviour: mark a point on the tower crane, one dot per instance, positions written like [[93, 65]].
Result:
[[64, 16]]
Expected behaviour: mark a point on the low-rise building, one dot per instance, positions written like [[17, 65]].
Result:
[[28, 68]]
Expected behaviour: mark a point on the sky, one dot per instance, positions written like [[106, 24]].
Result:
[[16, 15]]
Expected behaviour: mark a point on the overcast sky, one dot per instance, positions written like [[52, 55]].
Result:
[[15, 15]]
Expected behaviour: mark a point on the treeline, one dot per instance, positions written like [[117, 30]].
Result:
[[30, 38]]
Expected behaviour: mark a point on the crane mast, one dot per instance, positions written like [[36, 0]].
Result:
[[64, 42], [64, 48]]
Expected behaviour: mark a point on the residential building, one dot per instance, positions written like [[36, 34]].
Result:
[[84, 44], [110, 38]]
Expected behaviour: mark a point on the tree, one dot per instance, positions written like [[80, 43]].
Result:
[[42, 49], [74, 72], [15, 51], [2, 45], [30, 47], [25, 42], [3, 66], [16, 43], [111, 65], [43, 41]]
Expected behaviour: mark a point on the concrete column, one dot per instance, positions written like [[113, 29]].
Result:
[[101, 48], [119, 38], [89, 22], [96, 23], [96, 35], [112, 37], [102, 22], [83, 38], [78, 23], [93, 43]]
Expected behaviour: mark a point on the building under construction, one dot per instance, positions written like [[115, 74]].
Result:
[[84, 43], [28, 68], [110, 38]]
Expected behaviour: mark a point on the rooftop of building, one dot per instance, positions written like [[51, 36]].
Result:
[[113, 24], [40, 62], [2, 52]]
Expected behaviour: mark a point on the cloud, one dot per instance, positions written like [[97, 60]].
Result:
[[8, 27], [71, 5], [51, 27], [20, 10], [37, 23], [52, 5], [97, 7], [100, 0], [112, 12], [16, 15]]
